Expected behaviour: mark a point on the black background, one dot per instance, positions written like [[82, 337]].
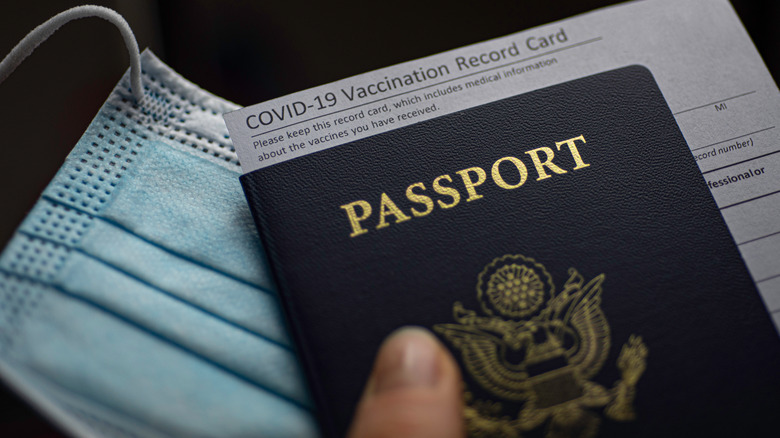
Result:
[[244, 51]]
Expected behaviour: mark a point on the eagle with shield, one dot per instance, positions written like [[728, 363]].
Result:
[[540, 349]]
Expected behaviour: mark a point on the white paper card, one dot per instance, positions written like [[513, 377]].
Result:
[[716, 84]]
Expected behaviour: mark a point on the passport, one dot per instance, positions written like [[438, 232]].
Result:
[[562, 243]]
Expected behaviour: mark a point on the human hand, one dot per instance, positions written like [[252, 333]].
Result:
[[414, 390]]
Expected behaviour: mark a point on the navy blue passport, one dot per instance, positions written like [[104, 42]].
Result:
[[562, 243]]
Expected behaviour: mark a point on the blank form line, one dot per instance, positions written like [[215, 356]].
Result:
[[751, 199], [724, 141], [768, 278], [741, 162], [713, 103], [759, 238]]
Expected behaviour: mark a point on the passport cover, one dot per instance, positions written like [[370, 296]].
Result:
[[562, 243]]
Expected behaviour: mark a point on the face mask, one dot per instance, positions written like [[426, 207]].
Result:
[[134, 298]]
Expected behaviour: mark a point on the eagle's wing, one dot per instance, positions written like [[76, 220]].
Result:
[[591, 327], [482, 356]]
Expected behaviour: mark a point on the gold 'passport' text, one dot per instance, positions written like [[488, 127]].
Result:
[[507, 173]]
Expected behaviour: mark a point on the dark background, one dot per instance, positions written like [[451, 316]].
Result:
[[244, 51]]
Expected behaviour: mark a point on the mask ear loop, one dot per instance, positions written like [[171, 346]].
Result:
[[41, 33]]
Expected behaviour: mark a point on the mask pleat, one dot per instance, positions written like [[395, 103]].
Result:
[[136, 292], [165, 199], [248, 306], [147, 209], [140, 377], [17, 303], [226, 345]]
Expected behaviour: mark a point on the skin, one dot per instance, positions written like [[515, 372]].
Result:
[[414, 391]]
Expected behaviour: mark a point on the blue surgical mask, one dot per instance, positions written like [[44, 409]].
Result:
[[135, 298]]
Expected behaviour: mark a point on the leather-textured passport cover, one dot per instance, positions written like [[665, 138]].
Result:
[[562, 243]]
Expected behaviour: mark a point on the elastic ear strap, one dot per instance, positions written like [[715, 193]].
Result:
[[38, 35]]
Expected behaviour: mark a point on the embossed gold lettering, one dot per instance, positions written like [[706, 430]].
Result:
[[495, 172], [470, 184], [388, 208], [354, 218], [419, 199], [571, 143], [418, 203], [540, 165], [447, 191]]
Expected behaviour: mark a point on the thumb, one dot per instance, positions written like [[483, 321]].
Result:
[[414, 390]]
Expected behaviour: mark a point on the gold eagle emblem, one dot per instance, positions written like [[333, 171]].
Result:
[[538, 348]]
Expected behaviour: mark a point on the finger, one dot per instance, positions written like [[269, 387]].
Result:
[[414, 390]]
